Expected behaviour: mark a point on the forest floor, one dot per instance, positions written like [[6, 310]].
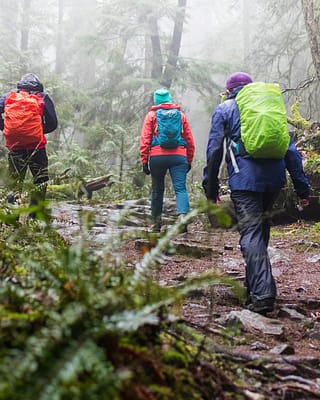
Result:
[[293, 354], [286, 341]]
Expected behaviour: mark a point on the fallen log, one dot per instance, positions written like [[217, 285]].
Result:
[[76, 190], [285, 209], [87, 188]]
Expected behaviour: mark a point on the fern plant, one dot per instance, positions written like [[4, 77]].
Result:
[[80, 325]]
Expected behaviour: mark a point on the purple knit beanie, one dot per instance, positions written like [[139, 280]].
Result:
[[238, 79]]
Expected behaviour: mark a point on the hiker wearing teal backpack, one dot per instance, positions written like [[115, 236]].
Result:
[[166, 144], [252, 120]]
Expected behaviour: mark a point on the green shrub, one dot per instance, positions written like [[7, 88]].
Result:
[[77, 325]]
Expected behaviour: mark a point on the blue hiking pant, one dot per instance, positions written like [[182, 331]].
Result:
[[178, 167], [253, 212]]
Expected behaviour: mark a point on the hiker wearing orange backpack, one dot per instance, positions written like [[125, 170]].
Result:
[[27, 114], [252, 123]]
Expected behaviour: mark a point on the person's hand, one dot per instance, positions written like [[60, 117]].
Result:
[[189, 167], [215, 200], [146, 169], [303, 203]]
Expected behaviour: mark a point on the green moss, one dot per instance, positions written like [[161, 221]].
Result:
[[296, 118], [162, 392], [176, 358], [313, 164], [316, 227], [63, 191]]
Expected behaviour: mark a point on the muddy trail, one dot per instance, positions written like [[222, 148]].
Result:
[[287, 341]]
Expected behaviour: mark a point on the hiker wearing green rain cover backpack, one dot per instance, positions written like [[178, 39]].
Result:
[[255, 181]]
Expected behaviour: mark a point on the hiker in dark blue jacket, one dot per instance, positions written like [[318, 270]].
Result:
[[27, 146], [31, 83], [255, 185]]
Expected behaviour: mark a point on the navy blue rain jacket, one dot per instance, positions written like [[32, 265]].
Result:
[[257, 175]]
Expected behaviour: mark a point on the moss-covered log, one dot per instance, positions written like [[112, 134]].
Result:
[[87, 188], [76, 190]]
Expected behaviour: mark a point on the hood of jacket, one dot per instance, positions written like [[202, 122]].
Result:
[[30, 85], [234, 92]]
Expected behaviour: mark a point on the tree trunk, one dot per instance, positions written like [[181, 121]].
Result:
[[88, 13], [172, 62], [246, 26], [312, 22], [25, 28], [9, 24], [156, 68], [25, 25], [59, 68]]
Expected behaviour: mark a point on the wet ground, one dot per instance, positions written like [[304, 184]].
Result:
[[295, 256]]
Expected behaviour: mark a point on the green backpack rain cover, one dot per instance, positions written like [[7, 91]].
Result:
[[264, 130]]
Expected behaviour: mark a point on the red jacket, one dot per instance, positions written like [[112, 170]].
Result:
[[148, 128]]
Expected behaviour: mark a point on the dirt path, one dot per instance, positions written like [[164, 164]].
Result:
[[295, 256], [292, 354]]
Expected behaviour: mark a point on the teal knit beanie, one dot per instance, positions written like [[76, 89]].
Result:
[[161, 96]]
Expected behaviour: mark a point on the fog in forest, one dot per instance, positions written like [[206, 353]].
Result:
[[101, 60], [118, 282]]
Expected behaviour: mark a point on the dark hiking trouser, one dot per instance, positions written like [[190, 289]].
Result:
[[37, 161], [253, 210]]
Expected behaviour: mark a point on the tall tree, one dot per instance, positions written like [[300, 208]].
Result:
[[246, 27], [172, 61], [311, 12], [9, 40], [281, 51], [156, 58], [25, 31], [59, 67], [25, 27]]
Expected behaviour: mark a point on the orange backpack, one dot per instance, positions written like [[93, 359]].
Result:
[[23, 120]]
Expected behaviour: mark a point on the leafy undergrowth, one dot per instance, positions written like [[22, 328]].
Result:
[[76, 325]]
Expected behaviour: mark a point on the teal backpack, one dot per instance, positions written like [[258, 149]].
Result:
[[168, 128], [264, 130]]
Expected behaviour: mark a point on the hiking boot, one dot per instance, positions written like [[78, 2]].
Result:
[[262, 306], [183, 226], [156, 226], [31, 216], [13, 198]]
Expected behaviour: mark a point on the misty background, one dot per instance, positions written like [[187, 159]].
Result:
[[100, 61]]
